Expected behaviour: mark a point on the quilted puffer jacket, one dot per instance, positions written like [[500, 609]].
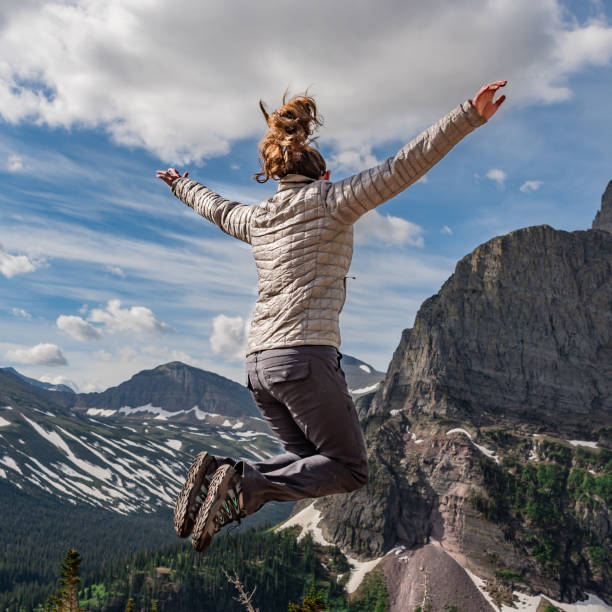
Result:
[[302, 237]]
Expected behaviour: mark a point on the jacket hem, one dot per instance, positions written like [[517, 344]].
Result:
[[279, 345]]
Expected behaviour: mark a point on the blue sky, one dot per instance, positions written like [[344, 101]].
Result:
[[103, 272]]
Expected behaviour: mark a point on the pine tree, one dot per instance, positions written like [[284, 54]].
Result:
[[154, 605], [66, 599], [312, 603], [129, 607]]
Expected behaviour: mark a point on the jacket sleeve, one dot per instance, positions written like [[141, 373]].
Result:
[[350, 198], [233, 218]]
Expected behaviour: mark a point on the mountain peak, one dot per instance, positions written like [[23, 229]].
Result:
[[603, 218]]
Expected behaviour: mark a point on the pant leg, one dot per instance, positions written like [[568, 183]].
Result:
[[302, 393]]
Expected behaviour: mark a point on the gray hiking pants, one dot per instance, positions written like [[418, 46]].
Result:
[[301, 392]]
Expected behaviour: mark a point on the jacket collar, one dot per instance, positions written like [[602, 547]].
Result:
[[292, 180]]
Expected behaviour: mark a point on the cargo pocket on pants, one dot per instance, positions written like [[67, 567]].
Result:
[[287, 372]]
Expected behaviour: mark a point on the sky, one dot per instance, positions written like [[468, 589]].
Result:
[[103, 272]]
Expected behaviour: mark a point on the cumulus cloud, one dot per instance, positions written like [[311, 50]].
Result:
[[21, 313], [11, 265], [352, 161], [78, 328], [446, 230], [374, 228], [101, 64], [137, 319], [497, 175], [229, 336], [41, 354], [530, 186], [14, 163]]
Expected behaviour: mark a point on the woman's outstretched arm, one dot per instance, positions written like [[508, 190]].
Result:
[[232, 217], [352, 197]]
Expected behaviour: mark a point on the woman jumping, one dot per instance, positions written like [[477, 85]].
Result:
[[302, 241]]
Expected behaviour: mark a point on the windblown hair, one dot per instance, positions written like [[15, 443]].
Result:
[[286, 148]]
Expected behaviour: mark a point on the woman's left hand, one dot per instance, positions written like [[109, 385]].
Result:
[[170, 175], [483, 100]]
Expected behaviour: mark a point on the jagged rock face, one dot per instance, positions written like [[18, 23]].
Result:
[[603, 218], [520, 333], [518, 342]]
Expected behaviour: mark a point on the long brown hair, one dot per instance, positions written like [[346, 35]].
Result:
[[286, 147]]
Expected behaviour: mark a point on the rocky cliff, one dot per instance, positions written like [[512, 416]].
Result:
[[490, 433], [603, 218]]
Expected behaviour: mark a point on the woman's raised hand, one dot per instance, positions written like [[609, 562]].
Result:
[[170, 175], [483, 100]]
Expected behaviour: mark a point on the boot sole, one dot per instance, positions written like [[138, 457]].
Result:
[[187, 504], [205, 528]]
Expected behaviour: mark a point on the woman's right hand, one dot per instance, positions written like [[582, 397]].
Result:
[[170, 175], [483, 100]]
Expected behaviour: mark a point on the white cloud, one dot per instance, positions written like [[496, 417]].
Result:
[[229, 336], [530, 186], [78, 328], [21, 313], [100, 64], [137, 319], [374, 228], [41, 354], [11, 265], [116, 271], [59, 380], [497, 175], [14, 163], [446, 230], [352, 161]]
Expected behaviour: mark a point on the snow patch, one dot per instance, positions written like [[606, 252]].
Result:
[[255, 452], [11, 463], [162, 414], [482, 449], [2, 473], [364, 389], [70, 472], [50, 436], [530, 603], [4, 422], [175, 444], [238, 425], [308, 519], [365, 368], [101, 412], [226, 423], [583, 443]]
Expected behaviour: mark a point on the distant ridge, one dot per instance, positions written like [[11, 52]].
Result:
[[38, 383]]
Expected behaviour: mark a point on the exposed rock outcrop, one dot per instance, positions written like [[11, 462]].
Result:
[[469, 434], [520, 334], [603, 218]]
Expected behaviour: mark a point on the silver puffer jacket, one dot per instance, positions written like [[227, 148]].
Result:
[[302, 237]]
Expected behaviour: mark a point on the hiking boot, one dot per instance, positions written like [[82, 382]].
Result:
[[194, 492], [220, 508]]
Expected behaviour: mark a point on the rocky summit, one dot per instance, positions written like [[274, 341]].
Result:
[[490, 436], [603, 218]]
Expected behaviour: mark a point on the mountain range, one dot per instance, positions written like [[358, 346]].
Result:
[[489, 437]]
